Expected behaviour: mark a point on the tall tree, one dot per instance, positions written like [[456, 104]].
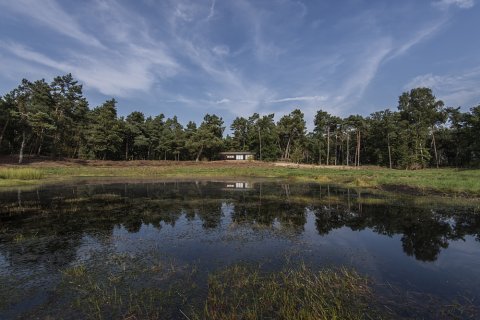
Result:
[[69, 113], [31, 102], [291, 131], [240, 129], [322, 132], [104, 137], [207, 139], [423, 112], [7, 106], [358, 123]]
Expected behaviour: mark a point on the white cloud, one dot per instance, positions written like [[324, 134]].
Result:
[[50, 14], [111, 75], [221, 50], [365, 69], [133, 61], [417, 38], [455, 89], [445, 4], [211, 13], [223, 101], [302, 98]]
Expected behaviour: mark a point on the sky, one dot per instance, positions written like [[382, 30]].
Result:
[[237, 57]]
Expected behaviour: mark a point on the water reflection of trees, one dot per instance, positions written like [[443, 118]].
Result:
[[53, 221]]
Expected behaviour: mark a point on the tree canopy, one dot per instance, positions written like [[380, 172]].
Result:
[[54, 119]]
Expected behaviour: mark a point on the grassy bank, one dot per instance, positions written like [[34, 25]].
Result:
[[445, 181]]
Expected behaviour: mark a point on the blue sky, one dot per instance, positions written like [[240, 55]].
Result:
[[236, 57]]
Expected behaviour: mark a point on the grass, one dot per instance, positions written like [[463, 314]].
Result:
[[126, 288], [240, 292], [121, 286], [446, 181], [150, 285], [21, 174]]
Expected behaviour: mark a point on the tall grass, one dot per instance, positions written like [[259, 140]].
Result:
[[294, 293], [21, 174]]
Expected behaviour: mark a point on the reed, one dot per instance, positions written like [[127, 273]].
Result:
[[21, 174]]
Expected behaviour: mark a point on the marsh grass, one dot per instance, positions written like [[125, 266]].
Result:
[[21, 174], [242, 292], [153, 286], [10, 291], [121, 286]]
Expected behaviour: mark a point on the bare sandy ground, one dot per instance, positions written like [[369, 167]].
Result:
[[66, 162]]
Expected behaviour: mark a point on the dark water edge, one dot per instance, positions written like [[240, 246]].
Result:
[[68, 250]]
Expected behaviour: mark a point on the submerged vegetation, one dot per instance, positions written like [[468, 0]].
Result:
[[134, 288], [236, 292], [123, 286], [241, 292]]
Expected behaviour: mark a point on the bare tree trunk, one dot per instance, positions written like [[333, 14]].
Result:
[[22, 146], [287, 149], [328, 146], [336, 148], [260, 142], [126, 150], [421, 154], [75, 151], [199, 154], [39, 148], [356, 151], [359, 146], [40, 142], [319, 152], [389, 151], [348, 149], [3, 130], [434, 146]]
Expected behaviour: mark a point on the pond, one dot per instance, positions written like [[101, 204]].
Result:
[[149, 249]]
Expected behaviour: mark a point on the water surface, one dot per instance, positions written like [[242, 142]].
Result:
[[413, 247]]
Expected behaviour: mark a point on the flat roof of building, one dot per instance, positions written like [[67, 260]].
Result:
[[236, 152]]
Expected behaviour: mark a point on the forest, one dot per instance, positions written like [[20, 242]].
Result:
[[55, 120]]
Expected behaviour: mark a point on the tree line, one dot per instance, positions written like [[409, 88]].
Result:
[[54, 119]]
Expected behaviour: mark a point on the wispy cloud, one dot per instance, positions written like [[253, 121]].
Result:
[[211, 13], [445, 4], [132, 62], [420, 36], [233, 58], [454, 89], [49, 13], [303, 98], [110, 75]]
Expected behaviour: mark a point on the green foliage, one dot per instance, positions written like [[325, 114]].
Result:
[[291, 132], [38, 118], [103, 132], [207, 139]]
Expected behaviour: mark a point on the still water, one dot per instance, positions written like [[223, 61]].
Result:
[[421, 252]]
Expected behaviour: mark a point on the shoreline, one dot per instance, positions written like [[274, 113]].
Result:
[[446, 182]]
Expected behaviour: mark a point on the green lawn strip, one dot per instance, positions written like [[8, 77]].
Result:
[[450, 181]]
